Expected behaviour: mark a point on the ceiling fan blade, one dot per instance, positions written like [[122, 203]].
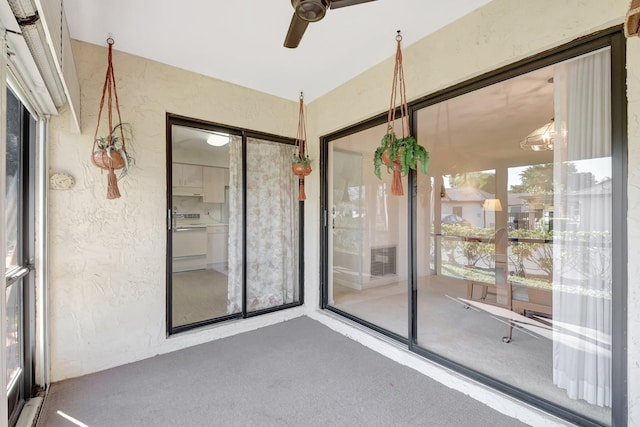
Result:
[[336, 4], [296, 30]]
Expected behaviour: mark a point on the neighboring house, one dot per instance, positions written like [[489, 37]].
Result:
[[466, 202], [524, 209]]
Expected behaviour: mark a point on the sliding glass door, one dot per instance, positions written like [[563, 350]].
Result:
[[19, 280], [233, 222], [500, 264], [367, 270], [200, 216], [521, 286]]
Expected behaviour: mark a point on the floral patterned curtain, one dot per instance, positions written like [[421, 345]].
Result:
[[234, 293], [272, 226]]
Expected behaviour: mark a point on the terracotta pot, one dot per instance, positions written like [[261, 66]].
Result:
[[102, 160], [300, 170], [387, 160]]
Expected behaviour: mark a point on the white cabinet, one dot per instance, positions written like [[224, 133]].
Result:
[[214, 182], [186, 179], [189, 248], [217, 244]]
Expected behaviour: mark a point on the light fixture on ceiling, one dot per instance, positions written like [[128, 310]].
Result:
[[540, 139], [218, 139]]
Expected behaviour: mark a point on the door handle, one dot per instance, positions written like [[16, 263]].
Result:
[[22, 272]]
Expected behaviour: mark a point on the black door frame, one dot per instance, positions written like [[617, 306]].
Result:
[[174, 119], [24, 275], [613, 38]]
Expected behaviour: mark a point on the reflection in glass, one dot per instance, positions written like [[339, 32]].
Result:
[[13, 180], [209, 257], [514, 245], [14, 333], [368, 238], [19, 136], [201, 178]]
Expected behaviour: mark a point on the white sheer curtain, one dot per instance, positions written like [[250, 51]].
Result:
[[272, 226], [582, 223]]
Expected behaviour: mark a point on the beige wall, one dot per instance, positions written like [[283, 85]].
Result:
[[107, 258]]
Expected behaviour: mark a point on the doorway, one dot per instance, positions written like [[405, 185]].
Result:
[[200, 224], [234, 224], [20, 240], [514, 268]]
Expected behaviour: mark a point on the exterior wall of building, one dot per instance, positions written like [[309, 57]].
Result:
[[107, 260], [107, 257], [498, 34]]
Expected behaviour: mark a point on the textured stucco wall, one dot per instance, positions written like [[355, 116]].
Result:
[[107, 257], [633, 227], [500, 33]]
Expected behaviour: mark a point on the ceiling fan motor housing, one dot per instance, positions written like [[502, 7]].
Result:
[[311, 10]]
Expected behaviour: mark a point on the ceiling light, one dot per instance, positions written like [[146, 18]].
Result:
[[218, 139], [540, 139]]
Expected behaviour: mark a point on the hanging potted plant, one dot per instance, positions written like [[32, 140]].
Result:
[[301, 166], [399, 154], [301, 163], [110, 152]]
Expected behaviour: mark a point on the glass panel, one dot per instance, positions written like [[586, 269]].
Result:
[[201, 188], [272, 226], [14, 334], [13, 181], [514, 233], [368, 242], [17, 141]]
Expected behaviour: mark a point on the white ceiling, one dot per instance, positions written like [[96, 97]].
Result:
[[241, 41]]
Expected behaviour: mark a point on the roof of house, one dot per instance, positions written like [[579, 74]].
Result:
[[466, 194]]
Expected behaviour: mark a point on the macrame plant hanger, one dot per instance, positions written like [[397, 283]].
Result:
[[108, 157], [632, 21], [397, 87], [301, 166]]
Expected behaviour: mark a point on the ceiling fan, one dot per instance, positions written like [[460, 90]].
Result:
[[311, 11]]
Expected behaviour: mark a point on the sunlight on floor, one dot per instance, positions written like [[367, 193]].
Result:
[[73, 420]]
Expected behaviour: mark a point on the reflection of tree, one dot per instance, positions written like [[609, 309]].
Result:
[[473, 251], [449, 247], [533, 246], [485, 181], [13, 121], [586, 254], [538, 179], [348, 220]]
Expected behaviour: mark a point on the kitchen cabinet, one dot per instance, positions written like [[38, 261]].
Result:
[[189, 248], [187, 179], [213, 186], [217, 244]]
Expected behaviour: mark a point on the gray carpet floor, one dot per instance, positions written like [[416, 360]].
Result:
[[296, 373], [470, 337], [199, 295]]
